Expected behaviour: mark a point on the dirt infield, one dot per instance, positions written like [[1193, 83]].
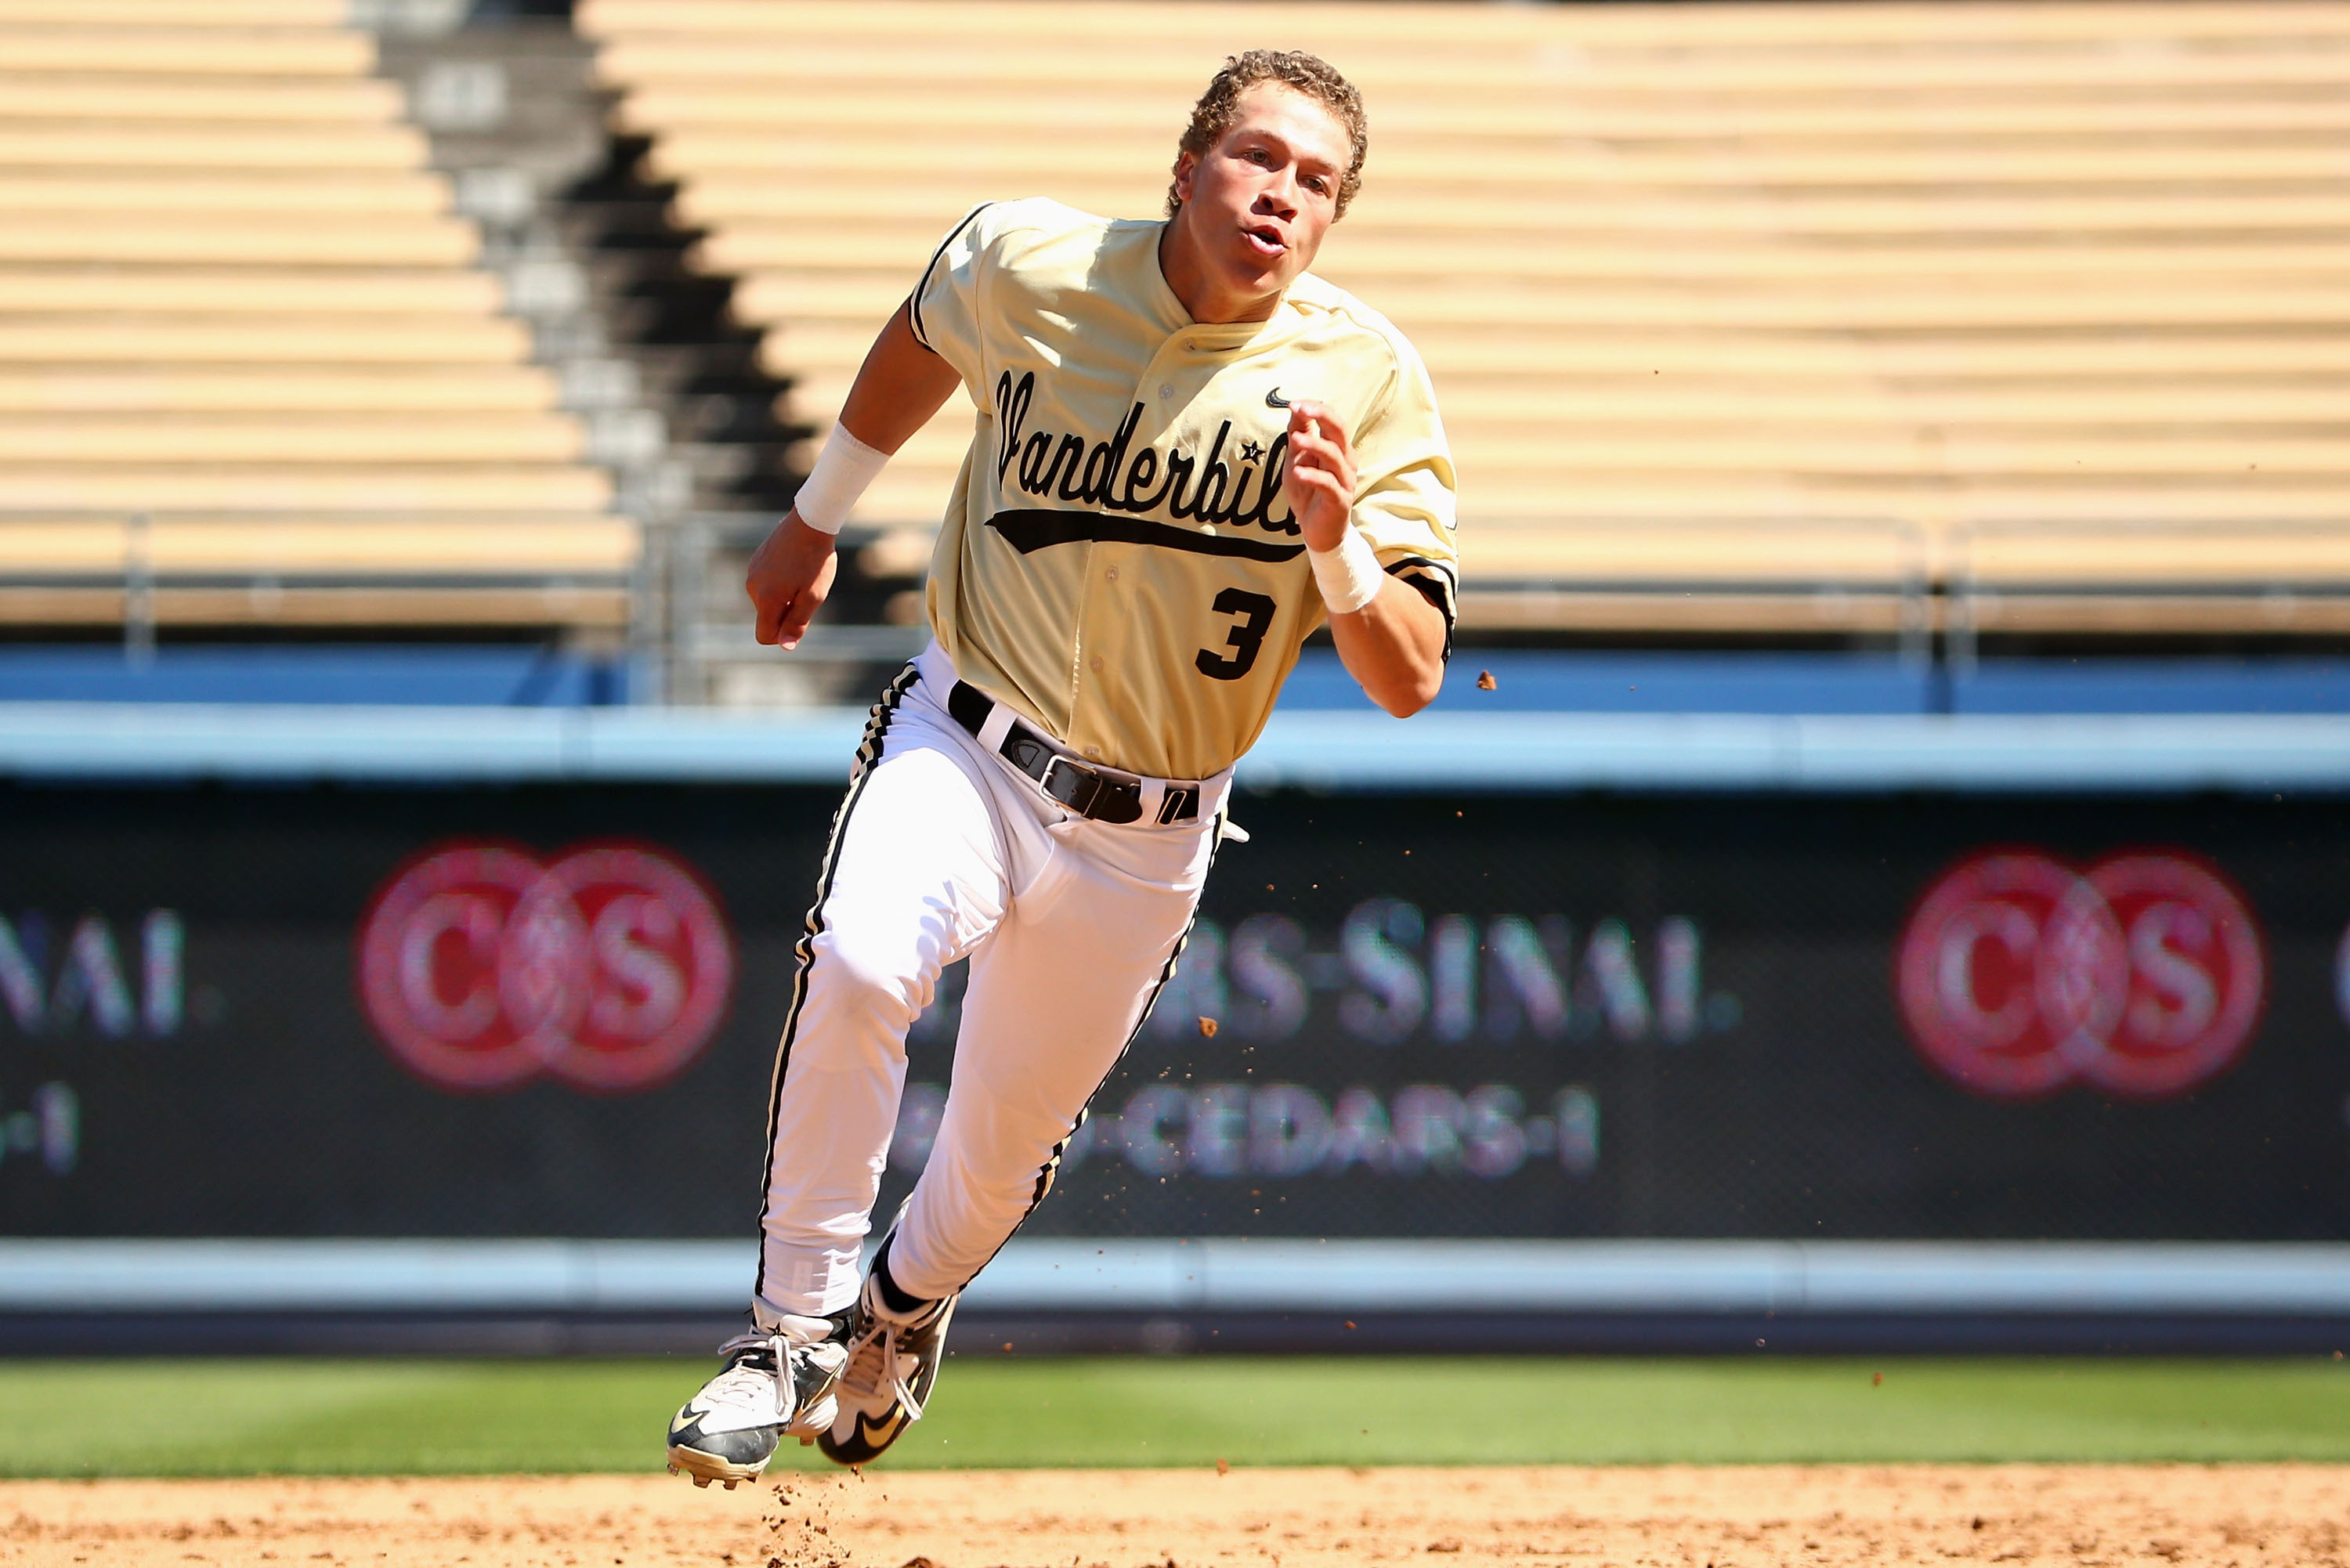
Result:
[[1751, 1517]]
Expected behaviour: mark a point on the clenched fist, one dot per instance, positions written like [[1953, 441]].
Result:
[[1319, 484], [790, 576]]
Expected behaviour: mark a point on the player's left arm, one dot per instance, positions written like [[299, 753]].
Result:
[[1395, 645]]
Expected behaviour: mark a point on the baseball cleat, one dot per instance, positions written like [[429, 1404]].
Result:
[[772, 1384], [893, 1362]]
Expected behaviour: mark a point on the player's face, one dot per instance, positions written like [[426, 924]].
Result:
[[1256, 206]]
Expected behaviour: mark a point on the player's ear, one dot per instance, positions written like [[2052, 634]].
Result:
[[1187, 163]]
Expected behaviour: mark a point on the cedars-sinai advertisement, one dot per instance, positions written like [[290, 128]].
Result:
[[552, 1011]]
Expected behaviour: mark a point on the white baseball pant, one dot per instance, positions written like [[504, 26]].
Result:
[[943, 849]]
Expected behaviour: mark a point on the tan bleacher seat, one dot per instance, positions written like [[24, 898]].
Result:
[[172, 12], [289, 438], [148, 390], [1736, 310], [357, 100], [231, 200], [96, 337], [165, 484], [186, 47], [465, 293], [246, 346], [166, 144], [328, 240]]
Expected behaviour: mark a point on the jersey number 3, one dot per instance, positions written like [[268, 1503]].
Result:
[[1244, 638]]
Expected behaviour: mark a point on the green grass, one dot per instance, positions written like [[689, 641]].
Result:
[[229, 1417]]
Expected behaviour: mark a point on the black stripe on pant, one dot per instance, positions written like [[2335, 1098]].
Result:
[[868, 752]]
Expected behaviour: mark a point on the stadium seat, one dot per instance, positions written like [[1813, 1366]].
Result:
[[247, 351], [334, 101], [1735, 310], [289, 438], [126, 338], [152, 390], [282, 485], [182, 45], [173, 13], [225, 199], [358, 240], [447, 291], [166, 144]]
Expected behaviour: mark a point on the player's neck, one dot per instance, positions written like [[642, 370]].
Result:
[[1203, 295]]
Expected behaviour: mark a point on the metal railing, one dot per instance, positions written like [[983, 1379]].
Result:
[[699, 636], [676, 605], [82, 567], [2240, 576], [1833, 576]]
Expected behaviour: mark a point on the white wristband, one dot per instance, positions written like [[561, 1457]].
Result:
[[843, 470], [1349, 576]]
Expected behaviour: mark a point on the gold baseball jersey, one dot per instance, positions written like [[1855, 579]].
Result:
[[1119, 563]]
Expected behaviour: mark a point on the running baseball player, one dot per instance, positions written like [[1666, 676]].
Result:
[[1190, 453]]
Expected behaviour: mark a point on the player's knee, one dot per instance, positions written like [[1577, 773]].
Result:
[[880, 978]]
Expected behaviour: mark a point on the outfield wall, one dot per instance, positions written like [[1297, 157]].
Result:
[[1642, 1012]]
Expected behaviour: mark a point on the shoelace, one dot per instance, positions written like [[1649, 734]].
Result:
[[741, 1379], [877, 1361]]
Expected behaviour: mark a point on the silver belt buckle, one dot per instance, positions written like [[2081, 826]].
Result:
[[1078, 770]]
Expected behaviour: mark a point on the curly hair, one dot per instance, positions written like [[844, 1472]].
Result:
[[1315, 77]]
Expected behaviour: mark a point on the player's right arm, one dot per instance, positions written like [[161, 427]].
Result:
[[900, 385]]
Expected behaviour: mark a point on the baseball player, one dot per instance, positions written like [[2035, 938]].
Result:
[[1190, 453]]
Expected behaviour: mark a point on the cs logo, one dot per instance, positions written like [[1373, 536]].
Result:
[[482, 969], [2143, 975]]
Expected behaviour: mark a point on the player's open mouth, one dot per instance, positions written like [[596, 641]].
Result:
[[1266, 242]]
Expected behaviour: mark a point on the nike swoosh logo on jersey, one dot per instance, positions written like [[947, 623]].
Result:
[[1033, 528], [1273, 399]]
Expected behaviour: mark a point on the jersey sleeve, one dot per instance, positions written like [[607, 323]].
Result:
[[948, 303], [1405, 496]]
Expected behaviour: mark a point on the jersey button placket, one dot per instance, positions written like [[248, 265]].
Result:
[[1108, 606], [1163, 375]]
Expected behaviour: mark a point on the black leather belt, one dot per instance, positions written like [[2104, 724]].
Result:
[[1088, 791]]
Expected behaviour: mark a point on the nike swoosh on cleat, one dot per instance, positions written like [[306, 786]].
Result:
[[1273, 399], [878, 1437]]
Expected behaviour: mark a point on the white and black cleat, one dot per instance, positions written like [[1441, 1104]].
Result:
[[893, 1363], [773, 1383]]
